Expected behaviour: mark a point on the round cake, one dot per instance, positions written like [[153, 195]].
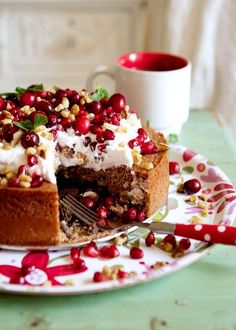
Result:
[[89, 145]]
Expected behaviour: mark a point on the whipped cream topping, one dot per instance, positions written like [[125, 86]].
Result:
[[116, 153]]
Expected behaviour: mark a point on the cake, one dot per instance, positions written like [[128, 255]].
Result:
[[60, 141]]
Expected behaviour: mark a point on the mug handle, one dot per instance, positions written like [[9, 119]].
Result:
[[109, 70]]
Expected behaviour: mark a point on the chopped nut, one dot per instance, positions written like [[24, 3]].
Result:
[[25, 184], [71, 117], [193, 198], [168, 247], [4, 170], [107, 271], [17, 137], [40, 128], [162, 147], [122, 129], [178, 253], [75, 109], [25, 178], [30, 151], [87, 99], [59, 108], [65, 113], [6, 121], [127, 108], [204, 212], [202, 204], [147, 166], [195, 219], [9, 107], [65, 102], [120, 240], [180, 188], [3, 182], [10, 175], [82, 101], [204, 197]]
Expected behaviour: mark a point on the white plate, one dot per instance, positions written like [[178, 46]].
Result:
[[53, 272]]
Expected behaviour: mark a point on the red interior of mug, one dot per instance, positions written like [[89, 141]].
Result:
[[151, 61]]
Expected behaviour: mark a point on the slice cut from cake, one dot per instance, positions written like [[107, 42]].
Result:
[[88, 145]]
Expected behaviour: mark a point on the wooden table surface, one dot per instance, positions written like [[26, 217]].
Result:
[[201, 296]]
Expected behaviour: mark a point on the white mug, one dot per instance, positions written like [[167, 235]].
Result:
[[157, 85]]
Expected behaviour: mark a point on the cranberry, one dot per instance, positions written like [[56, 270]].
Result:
[[65, 123], [174, 168], [60, 94], [109, 202], [52, 120], [1, 103], [22, 169], [37, 181], [140, 216], [170, 239], [14, 182], [122, 274], [94, 107], [83, 113], [142, 132], [150, 239], [87, 140], [33, 115], [32, 160], [44, 106], [89, 202], [74, 98], [109, 135], [192, 186], [68, 92], [95, 129], [131, 213], [102, 212], [117, 101], [99, 277], [184, 243], [148, 148], [42, 94], [82, 125], [28, 98], [136, 253], [29, 139], [104, 101], [74, 253], [91, 250]]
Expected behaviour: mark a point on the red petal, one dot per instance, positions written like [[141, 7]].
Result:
[[37, 259], [10, 271], [222, 186], [220, 195], [64, 270]]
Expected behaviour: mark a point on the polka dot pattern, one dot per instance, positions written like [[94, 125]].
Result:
[[221, 229], [198, 227], [207, 237]]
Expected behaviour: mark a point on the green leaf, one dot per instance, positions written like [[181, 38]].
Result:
[[26, 125], [172, 138], [20, 90], [39, 120], [99, 94], [8, 94], [36, 88]]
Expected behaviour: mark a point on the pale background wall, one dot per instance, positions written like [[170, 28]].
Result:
[[60, 42]]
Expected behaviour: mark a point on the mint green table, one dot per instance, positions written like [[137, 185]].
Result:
[[201, 296]]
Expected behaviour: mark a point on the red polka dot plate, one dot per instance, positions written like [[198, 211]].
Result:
[[104, 266]]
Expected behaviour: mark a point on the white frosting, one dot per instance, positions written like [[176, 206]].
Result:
[[117, 152]]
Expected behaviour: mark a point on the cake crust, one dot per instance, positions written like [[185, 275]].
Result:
[[29, 217]]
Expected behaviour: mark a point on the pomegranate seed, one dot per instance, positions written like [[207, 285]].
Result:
[[89, 202], [68, 92], [150, 239], [131, 213], [74, 98], [28, 98], [122, 274], [9, 105], [109, 135], [99, 277], [100, 137], [136, 253], [102, 147], [135, 142], [44, 106], [83, 113], [140, 216], [33, 115], [109, 202], [174, 168], [93, 145], [184, 243], [32, 160], [87, 140], [14, 182], [91, 250], [97, 119], [52, 120], [29, 139], [65, 122], [102, 223], [117, 101], [148, 148], [22, 169], [104, 101], [1, 103], [113, 252], [142, 132], [82, 125], [102, 212], [37, 181], [115, 120], [95, 129], [79, 263], [192, 186], [94, 107], [170, 239], [60, 94], [74, 253]]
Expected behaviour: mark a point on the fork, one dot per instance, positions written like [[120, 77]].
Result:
[[210, 233]]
